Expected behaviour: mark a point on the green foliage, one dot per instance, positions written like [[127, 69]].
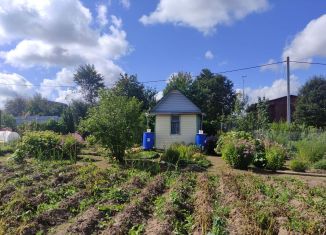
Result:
[[310, 106], [312, 148], [275, 156], [90, 82], [181, 155], [115, 122], [321, 164], [237, 148], [181, 81], [67, 120], [7, 120], [260, 160], [46, 145], [91, 140], [298, 165], [16, 106], [213, 93], [129, 86], [7, 148]]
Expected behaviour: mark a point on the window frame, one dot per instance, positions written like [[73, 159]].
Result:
[[175, 125]]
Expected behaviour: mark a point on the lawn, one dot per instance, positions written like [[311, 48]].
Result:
[[55, 197]]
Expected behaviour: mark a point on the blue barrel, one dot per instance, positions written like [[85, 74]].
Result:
[[200, 140], [148, 140]]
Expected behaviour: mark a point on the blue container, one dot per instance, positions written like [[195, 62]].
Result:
[[200, 140], [148, 140]]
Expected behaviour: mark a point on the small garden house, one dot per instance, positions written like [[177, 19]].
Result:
[[177, 120]]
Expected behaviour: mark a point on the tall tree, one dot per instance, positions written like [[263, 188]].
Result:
[[129, 86], [181, 81], [79, 110], [90, 82], [311, 103], [67, 121], [214, 94], [16, 106], [116, 122]]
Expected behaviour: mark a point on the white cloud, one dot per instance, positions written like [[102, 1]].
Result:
[[273, 67], [308, 43], [276, 90], [159, 95], [125, 3], [102, 15], [209, 55], [203, 15], [17, 86], [42, 34]]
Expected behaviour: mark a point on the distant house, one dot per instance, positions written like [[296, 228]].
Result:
[[277, 108], [36, 118], [177, 120]]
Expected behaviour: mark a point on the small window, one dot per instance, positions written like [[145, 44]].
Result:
[[175, 124]]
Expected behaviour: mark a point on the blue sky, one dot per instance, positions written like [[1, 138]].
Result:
[[42, 43]]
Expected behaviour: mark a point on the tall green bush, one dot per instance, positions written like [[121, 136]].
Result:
[[275, 156], [238, 149], [312, 148], [47, 145]]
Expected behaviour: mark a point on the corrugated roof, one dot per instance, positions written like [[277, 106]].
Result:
[[174, 102]]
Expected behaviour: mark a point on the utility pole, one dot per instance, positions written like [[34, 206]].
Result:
[[288, 100], [243, 93]]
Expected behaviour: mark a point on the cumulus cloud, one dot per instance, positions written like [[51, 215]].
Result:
[[13, 85], [203, 15], [273, 67], [125, 3], [209, 55], [41, 34], [159, 95], [102, 15], [276, 90], [308, 43]]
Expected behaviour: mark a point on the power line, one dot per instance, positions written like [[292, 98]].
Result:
[[164, 80], [306, 62], [252, 67]]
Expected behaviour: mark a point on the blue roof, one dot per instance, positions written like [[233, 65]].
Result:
[[174, 102]]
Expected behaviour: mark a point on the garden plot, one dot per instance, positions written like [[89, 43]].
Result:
[[65, 198]]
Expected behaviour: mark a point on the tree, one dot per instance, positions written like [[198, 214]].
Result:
[[115, 122], [129, 86], [67, 120], [181, 81], [7, 120], [39, 105], [213, 94], [311, 103], [16, 106], [90, 82], [79, 110]]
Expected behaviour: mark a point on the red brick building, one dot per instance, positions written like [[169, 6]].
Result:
[[277, 108]]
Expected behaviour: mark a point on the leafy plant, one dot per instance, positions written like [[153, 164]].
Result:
[[321, 164], [275, 156], [238, 149], [298, 165]]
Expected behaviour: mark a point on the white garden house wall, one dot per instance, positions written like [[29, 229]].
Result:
[[177, 120]]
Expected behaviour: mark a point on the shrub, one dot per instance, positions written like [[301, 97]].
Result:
[[181, 155], [321, 164], [238, 153], [312, 148], [171, 155], [260, 160], [230, 136], [275, 156], [237, 148], [45, 145], [18, 156], [70, 147], [91, 140], [298, 165], [41, 145]]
